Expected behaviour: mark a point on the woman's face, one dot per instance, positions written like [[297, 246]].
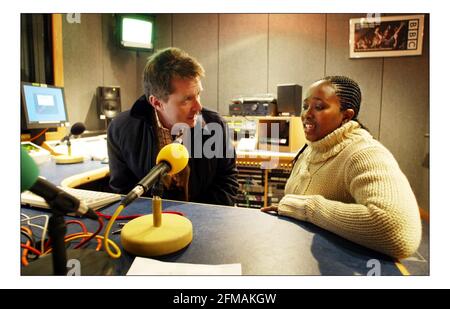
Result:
[[321, 112]]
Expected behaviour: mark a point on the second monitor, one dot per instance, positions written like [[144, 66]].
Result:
[[43, 106], [280, 134]]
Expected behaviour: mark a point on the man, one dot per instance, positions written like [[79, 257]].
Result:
[[172, 88]]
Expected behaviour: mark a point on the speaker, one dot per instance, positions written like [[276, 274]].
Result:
[[289, 99], [108, 102]]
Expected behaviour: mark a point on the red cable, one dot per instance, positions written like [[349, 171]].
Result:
[[174, 212], [24, 254], [108, 217], [86, 240], [37, 136], [34, 250], [49, 249], [83, 227], [81, 224], [26, 246]]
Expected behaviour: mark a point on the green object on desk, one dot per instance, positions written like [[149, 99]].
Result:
[[29, 171]]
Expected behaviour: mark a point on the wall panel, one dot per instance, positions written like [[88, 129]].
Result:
[[197, 34], [83, 67], [296, 49], [243, 43], [405, 117]]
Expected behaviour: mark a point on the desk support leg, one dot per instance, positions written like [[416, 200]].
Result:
[[266, 186]]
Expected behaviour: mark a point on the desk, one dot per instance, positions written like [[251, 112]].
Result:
[[56, 173], [264, 244]]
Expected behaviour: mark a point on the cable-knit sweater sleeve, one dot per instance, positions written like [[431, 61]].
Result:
[[385, 214]]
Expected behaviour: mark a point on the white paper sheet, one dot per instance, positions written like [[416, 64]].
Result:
[[145, 266]]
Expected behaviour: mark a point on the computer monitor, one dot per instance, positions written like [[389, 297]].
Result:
[[280, 134], [43, 106], [136, 31], [274, 132]]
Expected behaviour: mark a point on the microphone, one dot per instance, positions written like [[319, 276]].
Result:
[[171, 159], [76, 129], [58, 199]]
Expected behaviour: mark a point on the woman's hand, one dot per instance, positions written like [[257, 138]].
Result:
[[272, 208]]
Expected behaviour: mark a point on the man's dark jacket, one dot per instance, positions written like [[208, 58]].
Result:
[[132, 151]]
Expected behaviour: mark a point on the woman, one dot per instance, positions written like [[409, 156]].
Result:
[[347, 182]]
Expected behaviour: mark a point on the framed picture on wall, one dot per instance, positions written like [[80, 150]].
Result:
[[388, 36]]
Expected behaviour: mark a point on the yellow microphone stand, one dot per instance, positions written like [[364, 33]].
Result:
[[156, 234], [69, 158]]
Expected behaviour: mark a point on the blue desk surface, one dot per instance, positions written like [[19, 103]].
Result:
[[58, 172], [264, 244]]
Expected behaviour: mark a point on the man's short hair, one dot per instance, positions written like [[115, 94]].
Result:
[[166, 64]]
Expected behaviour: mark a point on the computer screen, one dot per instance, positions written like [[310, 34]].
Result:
[[136, 31], [43, 106], [274, 132]]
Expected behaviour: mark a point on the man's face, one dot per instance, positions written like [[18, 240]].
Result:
[[182, 106]]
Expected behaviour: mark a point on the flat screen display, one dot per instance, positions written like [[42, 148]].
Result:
[[43, 105], [274, 132]]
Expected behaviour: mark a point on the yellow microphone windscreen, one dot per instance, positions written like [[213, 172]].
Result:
[[176, 155]]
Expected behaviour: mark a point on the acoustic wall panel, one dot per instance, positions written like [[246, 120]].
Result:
[[197, 34], [243, 43], [296, 49]]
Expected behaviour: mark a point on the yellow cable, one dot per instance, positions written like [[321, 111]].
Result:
[[113, 244], [402, 268], [84, 235], [108, 229]]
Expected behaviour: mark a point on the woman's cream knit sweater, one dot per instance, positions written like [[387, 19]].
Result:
[[350, 184]]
